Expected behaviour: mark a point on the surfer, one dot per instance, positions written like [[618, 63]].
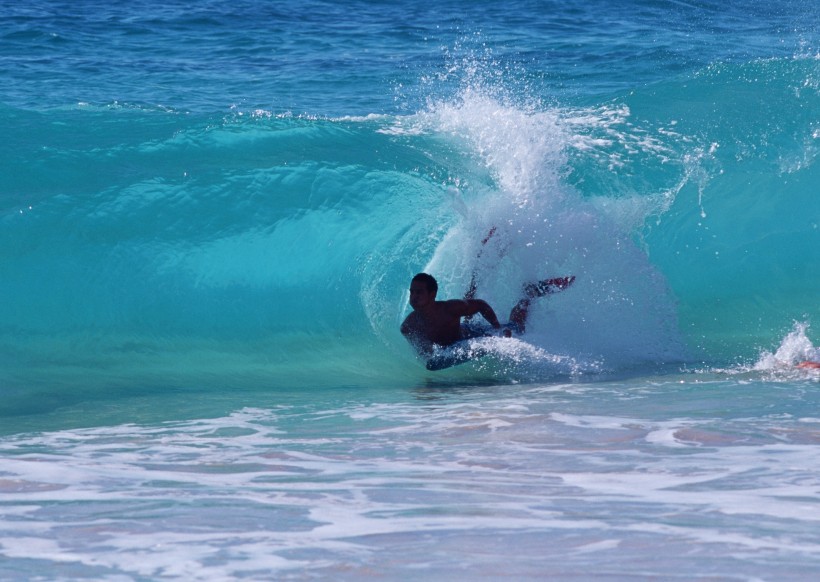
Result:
[[809, 364], [438, 323], [812, 361]]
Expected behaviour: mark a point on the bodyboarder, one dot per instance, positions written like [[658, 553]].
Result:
[[439, 323]]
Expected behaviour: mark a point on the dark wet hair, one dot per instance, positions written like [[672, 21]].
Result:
[[429, 281]]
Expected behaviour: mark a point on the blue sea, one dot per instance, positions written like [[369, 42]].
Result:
[[210, 213]]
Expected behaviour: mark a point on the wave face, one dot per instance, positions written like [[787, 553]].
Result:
[[148, 245]]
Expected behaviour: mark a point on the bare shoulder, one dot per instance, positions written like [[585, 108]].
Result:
[[456, 306], [465, 307]]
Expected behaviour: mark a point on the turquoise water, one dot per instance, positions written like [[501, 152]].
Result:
[[209, 216]]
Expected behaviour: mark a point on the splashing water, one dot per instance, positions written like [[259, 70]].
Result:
[[795, 348], [620, 310]]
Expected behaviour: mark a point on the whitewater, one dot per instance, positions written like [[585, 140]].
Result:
[[209, 217]]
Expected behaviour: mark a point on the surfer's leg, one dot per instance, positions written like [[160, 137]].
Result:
[[519, 313]]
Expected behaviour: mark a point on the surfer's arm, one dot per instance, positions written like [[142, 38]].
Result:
[[469, 307]]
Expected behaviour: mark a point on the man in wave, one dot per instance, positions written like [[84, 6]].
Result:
[[438, 323], [812, 361]]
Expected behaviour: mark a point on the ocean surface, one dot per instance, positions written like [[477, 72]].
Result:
[[210, 213]]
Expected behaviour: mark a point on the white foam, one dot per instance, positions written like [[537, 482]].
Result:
[[592, 421], [267, 493]]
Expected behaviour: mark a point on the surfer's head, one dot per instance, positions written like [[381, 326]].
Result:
[[423, 289], [428, 280]]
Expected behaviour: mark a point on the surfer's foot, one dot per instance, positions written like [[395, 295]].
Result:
[[548, 286]]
